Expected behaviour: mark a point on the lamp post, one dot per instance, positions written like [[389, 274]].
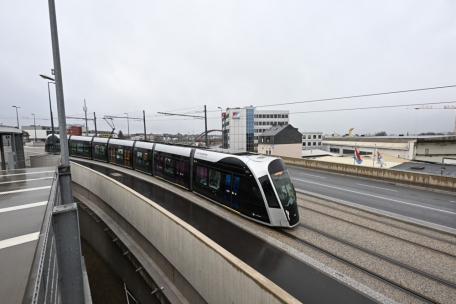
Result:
[[221, 118], [34, 124], [128, 123], [50, 108], [17, 116]]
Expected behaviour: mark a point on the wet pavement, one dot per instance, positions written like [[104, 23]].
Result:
[[24, 196], [300, 280]]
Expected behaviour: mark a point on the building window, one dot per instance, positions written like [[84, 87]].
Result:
[[315, 137], [314, 143], [286, 115], [275, 115], [319, 136], [268, 139], [309, 136], [319, 143], [304, 144]]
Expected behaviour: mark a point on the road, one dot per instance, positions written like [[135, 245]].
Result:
[[434, 207]]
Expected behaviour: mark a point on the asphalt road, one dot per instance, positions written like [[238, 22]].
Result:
[[434, 207]]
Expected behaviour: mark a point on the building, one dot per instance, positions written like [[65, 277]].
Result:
[[74, 130], [282, 140], [41, 132], [242, 126], [311, 140], [420, 148]]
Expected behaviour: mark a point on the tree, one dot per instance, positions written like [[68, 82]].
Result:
[[120, 135], [382, 133]]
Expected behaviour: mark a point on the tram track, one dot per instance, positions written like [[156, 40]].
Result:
[[417, 282]]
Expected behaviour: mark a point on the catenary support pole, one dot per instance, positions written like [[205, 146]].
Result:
[[85, 111], [67, 231], [144, 120], [2, 153], [95, 123], [205, 123]]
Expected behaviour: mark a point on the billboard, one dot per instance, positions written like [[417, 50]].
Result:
[[236, 115]]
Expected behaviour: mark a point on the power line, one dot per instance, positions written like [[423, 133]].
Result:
[[357, 96], [378, 107]]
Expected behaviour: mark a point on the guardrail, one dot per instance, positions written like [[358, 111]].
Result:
[[419, 179]]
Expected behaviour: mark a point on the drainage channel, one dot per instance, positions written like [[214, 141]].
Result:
[[300, 280]]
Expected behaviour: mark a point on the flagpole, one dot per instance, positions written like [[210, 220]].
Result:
[[375, 155]]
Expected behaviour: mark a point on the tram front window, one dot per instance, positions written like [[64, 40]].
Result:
[[284, 188]]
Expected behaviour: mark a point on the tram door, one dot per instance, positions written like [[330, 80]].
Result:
[[232, 189], [227, 193], [235, 192], [112, 155]]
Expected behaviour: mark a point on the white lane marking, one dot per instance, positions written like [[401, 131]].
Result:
[[26, 173], [385, 198], [19, 240], [26, 180], [377, 187], [312, 175], [23, 207], [25, 190], [452, 201]]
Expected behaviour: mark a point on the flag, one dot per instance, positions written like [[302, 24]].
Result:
[[357, 156], [380, 159]]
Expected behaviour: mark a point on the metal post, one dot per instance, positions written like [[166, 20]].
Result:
[[52, 118], [67, 232], [2, 153], [128, 124], [95, 123], [13, 148], [205, 123], [17, 116], [85, 110], [144, 120], [34, 123]]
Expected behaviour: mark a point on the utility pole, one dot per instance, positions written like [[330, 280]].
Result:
[[221, 117], [34, 123], [144, 120], [85, 110], [95, 123], [128, 124], [65, 216], [205, 123]]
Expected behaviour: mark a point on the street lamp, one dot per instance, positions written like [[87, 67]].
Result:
[[17, 116], [34, 123], [221, 117], [128, 123], [50, 108]]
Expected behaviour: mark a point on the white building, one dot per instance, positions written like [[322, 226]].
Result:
[[242, 126], [41, 132], [419, 148], [311, 140]]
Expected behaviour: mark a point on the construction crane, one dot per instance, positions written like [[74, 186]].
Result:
[[430, 107]]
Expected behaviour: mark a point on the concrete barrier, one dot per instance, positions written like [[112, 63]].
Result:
[[419, 179], [216, 274]]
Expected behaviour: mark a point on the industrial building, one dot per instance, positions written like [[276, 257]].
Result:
[[419, 148], [242, 126]]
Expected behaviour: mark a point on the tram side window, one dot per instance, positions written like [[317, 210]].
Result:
[[214, 179], [80, 148], [159, 163], [269, 192], [97, 150], [102, 150], [146, 159], [73, 148], [139, 158], [169, 165], [119, 154], [201, 175]]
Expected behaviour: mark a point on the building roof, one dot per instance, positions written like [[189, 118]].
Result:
[[273, 131], [9, 130]]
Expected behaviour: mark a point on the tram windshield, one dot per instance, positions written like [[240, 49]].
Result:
[[284, 188]]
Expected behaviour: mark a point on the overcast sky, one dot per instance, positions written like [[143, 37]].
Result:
[[162, 56]]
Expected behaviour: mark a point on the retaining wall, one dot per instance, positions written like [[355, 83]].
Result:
[[419, 179], [216, 274]]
